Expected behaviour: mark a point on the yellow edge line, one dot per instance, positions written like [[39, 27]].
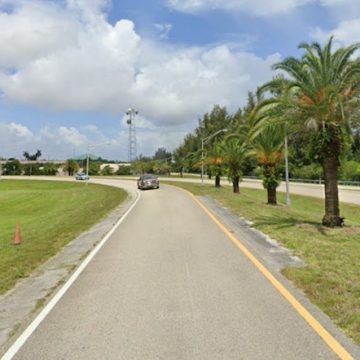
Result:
[[318, 328]]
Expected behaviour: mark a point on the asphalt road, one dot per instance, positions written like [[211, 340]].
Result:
[[169, 284]]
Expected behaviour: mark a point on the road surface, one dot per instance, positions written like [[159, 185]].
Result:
[[169, 284]]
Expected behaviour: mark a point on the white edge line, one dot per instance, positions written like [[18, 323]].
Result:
[[11, 352]]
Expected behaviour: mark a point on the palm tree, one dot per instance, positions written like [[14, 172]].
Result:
[[235, 152], [71, 166], [268, 148], [322, 93], [215, 161]]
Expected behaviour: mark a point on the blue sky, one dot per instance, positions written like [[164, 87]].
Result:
[[69, 69]]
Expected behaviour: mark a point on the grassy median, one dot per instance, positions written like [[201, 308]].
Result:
[[50, 215], [331, 275]]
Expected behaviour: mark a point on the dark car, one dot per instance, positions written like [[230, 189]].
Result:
[[148, 181]]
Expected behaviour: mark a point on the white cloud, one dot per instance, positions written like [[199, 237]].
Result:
[[32, 30], [346, 33], [149, 142], [15, 138], [60, 142], [83, 63], [140, 122], [163, 30], [90, 75], [19, 131], [70, 136], [338, 2], [190, 81], [258, 7], [255, 7], [70, 58]]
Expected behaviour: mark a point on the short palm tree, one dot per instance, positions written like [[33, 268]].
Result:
[[321, 93], [215, 161], [71, 166], [268, 148], [234, 154]]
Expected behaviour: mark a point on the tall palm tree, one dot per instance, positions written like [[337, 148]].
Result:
[[235, 152], [268, 148], [321, 93]]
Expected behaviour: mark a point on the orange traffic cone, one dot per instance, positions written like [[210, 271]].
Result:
[[17, 238]]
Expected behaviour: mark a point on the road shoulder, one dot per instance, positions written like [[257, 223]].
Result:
[[275, 257]]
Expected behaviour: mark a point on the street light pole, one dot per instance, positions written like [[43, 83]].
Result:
[[203, 140], [88, 157], [287, 201], [87, 164], [202, 161]]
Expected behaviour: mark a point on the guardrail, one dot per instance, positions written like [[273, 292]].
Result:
[[311, 181], [294, 180]]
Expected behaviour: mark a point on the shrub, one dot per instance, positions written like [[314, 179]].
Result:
[[350, 171], [311, 172], [123, 170], [107, 170]]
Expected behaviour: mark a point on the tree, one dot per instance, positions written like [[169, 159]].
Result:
[[161, 167], [32, 169], [215, 161], [321, 94], [94, 168], [12, 167], [49, 169], [162, 154], [185, 155], [268, 146], [107, 170], [355, 148], [235, 152], [32, 157], [217, 119], [123, 170], [139, 167], [71, 166]]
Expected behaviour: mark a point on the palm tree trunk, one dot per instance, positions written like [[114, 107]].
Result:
[[236, 187], [217, 181], [271, 195], [332, 216]]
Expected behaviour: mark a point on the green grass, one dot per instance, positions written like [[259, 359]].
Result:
[[50, 215], [331, 276]]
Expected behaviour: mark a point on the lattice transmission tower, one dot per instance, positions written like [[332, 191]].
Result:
[[132, 152]]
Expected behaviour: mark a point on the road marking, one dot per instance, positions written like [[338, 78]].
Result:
[[52, 303], [317, 327]]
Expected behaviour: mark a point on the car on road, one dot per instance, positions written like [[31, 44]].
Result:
[[82, 176], [148, 181]]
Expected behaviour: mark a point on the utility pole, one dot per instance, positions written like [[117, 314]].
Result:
[[132, 151]]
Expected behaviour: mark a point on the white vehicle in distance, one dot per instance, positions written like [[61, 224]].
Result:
[[82, 176]]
